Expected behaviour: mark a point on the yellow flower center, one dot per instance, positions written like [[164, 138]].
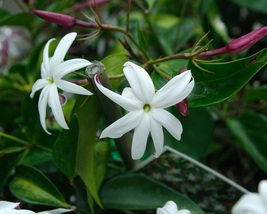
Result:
[[50, 80]]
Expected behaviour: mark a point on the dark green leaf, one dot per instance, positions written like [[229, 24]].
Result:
[[216, 82], [8, 163], [88, 116], [65, 148], [18, 19], [33, 186], [250, 131], [139, 192], [258, 5]]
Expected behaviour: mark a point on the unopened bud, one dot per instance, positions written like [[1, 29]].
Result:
[[183, 107], [246, 41], [58, 18], [239, 44]]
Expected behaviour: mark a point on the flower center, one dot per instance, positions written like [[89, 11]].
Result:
[[146, 107], [50, 80]]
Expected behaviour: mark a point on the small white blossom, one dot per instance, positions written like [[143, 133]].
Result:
[[146, 108], [171, 208], [255, 203], [52, 71], [7, 207]]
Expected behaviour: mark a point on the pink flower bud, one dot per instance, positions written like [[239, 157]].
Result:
[[59, 18], [239, 44], [246, 41], [183, 107]]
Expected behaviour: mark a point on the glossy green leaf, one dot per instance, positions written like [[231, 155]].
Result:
[[253, 94], [250, 132], [8, 163], [216, 82], [139, 192], [65, 148], [32, 186], [114, 63], [88, 115], [197, 133], [18, 19]]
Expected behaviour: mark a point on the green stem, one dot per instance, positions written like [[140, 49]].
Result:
[[23, 142]]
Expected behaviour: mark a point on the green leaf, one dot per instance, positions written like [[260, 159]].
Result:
[[197, 133], [250, 131], [88, 116], [34, 187], [257, 93], [216, 82], [65, 148], [8, 163], [139, 192], [18, 19]]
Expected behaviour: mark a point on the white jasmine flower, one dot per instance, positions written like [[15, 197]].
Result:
[[52, 71], [146, 108], [7, 207], [255, 203], [171, 208]]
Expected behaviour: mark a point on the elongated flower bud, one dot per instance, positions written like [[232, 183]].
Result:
[[183, 107], [239, 44], [63, 19], [58, 18]]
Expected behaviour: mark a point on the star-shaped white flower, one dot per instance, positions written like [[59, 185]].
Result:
[[171, 208], [255, 203], [7, 207], [52, 71], [146, 108]]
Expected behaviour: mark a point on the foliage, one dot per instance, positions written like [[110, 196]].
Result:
[[225, 129]]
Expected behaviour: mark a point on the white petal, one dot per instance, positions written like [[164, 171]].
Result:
[[8, 205], [46, 59], [54, 103], [17, 211], [162, 211], [72, 88], [128, 93], [169, 208], [250, 203], [157, 136], [139, 81], [263, 190], [127, 104], [122, 125], [56, 211], [184, 212], [168, 121], [62, 48], [69, 66], [45, 73], [140, 136], [42, 104], [40, 83], [170, 94]]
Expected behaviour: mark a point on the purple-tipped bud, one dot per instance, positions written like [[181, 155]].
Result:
[[183, 107], [239, 44], [246, 41], [58, 18]]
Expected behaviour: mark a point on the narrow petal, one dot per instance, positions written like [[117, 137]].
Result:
[[127, 104], [122, 125], [184, 212], [54, 103], [69, 66], [128, 93], [140, 136], [72, 88], [139, 81], [170, 94], [46, 59], [62, 48], [157, 136], [168, 121], [250, 203], [40, 83], [42, 104], [263, 190], [8, 205], [56, 211]]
